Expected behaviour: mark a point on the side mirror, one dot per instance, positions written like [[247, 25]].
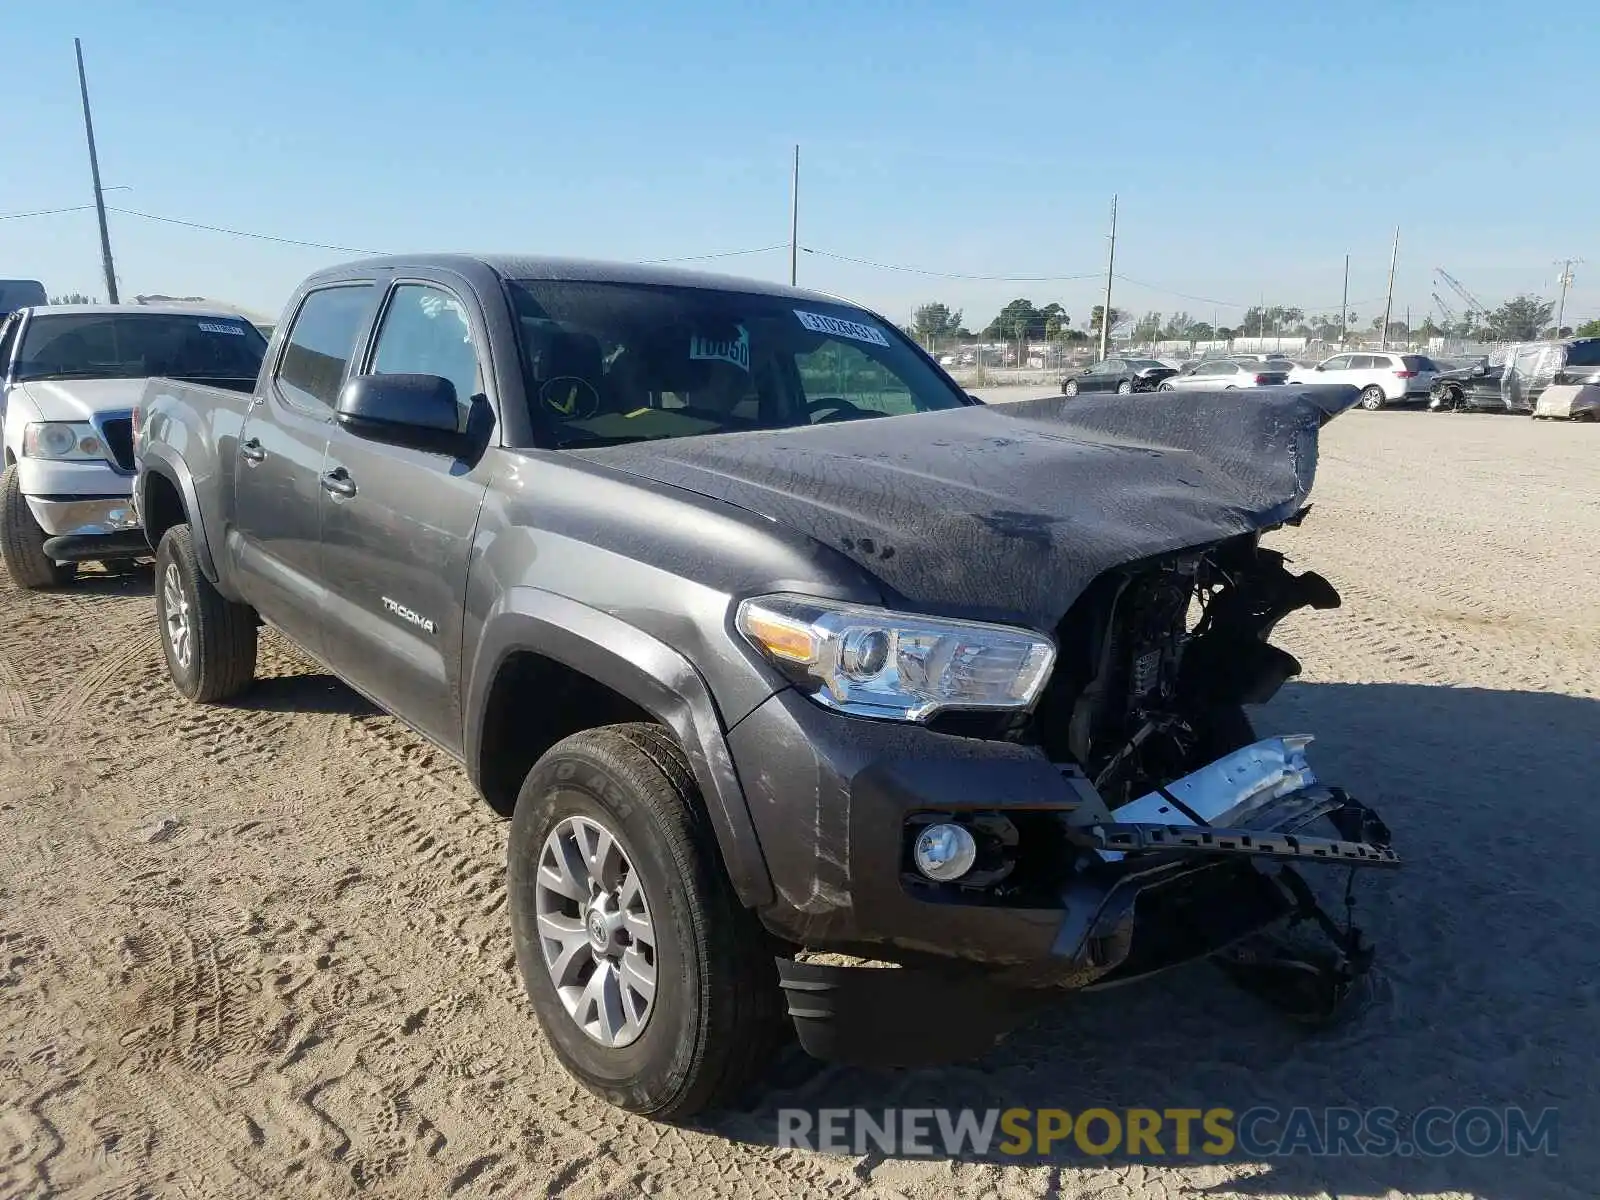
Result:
[[1320, 367], [416, 411]]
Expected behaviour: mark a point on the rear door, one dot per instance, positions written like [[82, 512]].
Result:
[[397, 527], [276, 540]]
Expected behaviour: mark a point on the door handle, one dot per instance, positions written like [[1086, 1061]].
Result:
[[337, 482], [251, 451]]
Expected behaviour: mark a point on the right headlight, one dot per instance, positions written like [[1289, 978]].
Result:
[[871, 662], [62, 440]]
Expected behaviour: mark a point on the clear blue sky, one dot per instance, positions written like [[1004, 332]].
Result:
[[1252, 144]]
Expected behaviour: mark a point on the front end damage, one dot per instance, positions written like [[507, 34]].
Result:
[[1183, 835]]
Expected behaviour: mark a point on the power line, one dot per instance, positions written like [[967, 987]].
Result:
[[263, 237], [863, 262], [718, 254], [45, 212]]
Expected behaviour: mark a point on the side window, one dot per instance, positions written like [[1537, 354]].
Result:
[[1114, 366], [1340, 362], [321, 340], [836, 370], [1579, 354], [425, 331], [8, 341]]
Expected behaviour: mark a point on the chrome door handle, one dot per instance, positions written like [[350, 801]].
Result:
[[251, 451], [338, 483]]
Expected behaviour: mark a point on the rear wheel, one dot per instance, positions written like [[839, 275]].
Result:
[[22, 540], [1372, 398], [209, 641], [655, 987], [1125, 388]]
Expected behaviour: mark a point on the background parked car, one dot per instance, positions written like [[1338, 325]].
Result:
[[1124, 375], [1475, 385], [1227, 373], [1383, 378]]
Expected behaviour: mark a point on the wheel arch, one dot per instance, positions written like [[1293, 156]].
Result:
[[165, 494], [537, 648]]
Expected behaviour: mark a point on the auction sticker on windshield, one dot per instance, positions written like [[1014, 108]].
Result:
[[854, 330], [211, 327]]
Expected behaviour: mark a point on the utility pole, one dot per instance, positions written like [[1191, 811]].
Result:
[[94, 170], [1408, 324], [1111, 266], [1388, 304], [1566, 266], [1344, 304], [794, 219]]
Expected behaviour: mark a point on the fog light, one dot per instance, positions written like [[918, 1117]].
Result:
[[944, 852]]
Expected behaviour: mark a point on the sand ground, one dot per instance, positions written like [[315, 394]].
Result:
[[262, 950]]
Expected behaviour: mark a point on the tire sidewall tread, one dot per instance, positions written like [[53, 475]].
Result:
[[222, 632], [717, 1005], [22, 540]]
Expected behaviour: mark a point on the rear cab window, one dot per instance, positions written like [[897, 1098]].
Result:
[[316, 353]]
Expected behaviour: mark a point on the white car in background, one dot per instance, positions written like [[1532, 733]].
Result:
[[1384, 378], [70, 376]]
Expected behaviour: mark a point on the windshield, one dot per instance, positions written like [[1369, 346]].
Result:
[[616, 362], [1144, 364], [136, 345]]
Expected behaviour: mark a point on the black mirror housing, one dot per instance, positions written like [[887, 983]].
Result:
[[417, 411]]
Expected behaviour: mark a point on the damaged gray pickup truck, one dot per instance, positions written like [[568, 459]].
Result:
[[772, 641]]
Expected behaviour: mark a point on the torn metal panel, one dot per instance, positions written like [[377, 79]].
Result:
[[1009, 512]]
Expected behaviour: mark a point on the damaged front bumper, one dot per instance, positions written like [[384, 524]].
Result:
[[1199, 868]]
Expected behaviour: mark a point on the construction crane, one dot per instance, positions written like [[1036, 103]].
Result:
[[1475, 307], [1445, 311]]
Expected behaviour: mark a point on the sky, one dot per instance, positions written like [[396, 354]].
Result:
[[1251, 146]]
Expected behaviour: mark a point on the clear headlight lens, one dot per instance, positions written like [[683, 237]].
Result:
[[61, 440], [874, 663]]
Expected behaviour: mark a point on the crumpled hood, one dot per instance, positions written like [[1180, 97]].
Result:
[[79, 399], [1010, 511]]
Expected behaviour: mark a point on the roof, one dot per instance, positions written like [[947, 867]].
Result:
[[518, 266], [164, 310]]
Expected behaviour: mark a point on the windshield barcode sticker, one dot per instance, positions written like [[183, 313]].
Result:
[[854, 330], [212, 327]]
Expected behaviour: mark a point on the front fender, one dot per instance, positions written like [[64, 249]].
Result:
[[647, 672], [158, 459]]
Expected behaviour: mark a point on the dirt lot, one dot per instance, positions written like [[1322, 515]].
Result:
[[262, 950]]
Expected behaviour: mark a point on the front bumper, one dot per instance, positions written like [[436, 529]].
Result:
[[1092, 899], [83, 516]]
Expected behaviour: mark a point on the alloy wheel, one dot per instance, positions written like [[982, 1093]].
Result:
[[595, 931], [180, 630]]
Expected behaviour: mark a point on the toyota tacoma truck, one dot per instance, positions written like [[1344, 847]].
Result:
[[823, 699], [69, 377]]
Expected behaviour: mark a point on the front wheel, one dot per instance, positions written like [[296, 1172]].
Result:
[[209, 641], [22, 540], [1125, 388], [1166, 387], [655, 987], [1372, 398], [1069, 388]]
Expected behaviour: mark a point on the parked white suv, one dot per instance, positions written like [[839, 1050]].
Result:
[[1387, 378], [70, 376]]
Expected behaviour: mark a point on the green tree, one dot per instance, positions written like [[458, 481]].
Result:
[[1552, 333], [71, 298], [1429, 330], [936, 320], [1055, 321], [1019, 314], [1199, 331], [1521, 318], [1147, 328], [1097, 313], [1589, 329], [1179, 325]]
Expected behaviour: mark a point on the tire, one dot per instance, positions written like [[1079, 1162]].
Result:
[[1372, 398], [716, 1015], [1069, 388], [1125, 388], [22, 541], [215, 658], [1166, 387]]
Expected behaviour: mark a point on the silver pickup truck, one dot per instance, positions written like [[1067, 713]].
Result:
[[772, 640]]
